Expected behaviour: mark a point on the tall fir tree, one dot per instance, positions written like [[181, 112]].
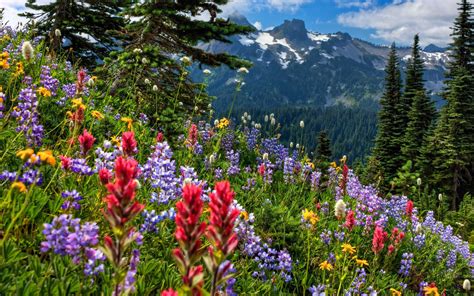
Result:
[[451, 145], [81, 27], [413, 82], [421, 110], [387, 152], [323, 151]]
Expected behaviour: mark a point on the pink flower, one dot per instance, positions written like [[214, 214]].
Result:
[[378, 239], [169, 292], [350, 220], [409, 208], [128, 143], [105, 176], [86, 141]]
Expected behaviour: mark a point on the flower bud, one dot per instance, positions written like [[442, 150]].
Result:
[[147, 81], [138, 185], [418, 181], [266, 118], [137, 50], [216, 122], [340, 209], [273, 121], [297, 146], [466, 285], [57, 33], [185, 60], [265, 156], [144, 60], [155, 88], [291, 144], [212, 158], [440, 197], [302, 124], [243, 70], [418, 228], [207, 72], [27, 50]]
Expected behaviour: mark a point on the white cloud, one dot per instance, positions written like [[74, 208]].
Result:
[[12, 8], [244, 6], [401, 20], [355, 3]]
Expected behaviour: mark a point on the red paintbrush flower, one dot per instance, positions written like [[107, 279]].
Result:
[[221, 228], [65, 162], [159, 137], [121, 206], [81, 76], [169, 292], [261, 169], [350, 220], [105, 176], [345, 173], [86, 141], [189, 231], [192, 135], [129, 144], [409, 208], [378, 239]]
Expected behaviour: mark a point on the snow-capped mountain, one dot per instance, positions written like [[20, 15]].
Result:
[[295, 66]]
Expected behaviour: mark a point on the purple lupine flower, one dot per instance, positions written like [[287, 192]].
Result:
[[6, 175], [48, 81], [358, 283], [405, 264], [317, 291], [79, 166], [67, 237], [31, 177], [129, 284], [451, 259], [326, 237], [218, 174], [93, 266], [152, 219], [159, 171], [28, 117], [233, 158], [251, 182], [72, 199], [289, 170], [339, 235], [315, 178], [227, 142], [252, 136]]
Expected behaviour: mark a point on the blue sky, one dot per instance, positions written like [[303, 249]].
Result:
[[378, 21]]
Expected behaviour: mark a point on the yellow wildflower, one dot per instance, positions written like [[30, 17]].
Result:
[[224, 122], [333, 164], [20, 70], [19, 185], [310, 216], [244, 215], [395, 292], [43, 91], [97, 114], [115, 140], [77, 103], [362, 262], [347, 248], [25, 154], [4, 60], [326, 266], [430, 291], [47, 156], [129, 122]]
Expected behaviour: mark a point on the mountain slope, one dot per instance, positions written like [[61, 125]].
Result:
[[296, 67]]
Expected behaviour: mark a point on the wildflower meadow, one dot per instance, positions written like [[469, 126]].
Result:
[[98, 200]]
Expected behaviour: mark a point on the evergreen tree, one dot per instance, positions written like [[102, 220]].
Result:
[[421, 112], [420, 119], [78, 26], [160, 45], [390, 131], [452, 143], [413, 83], [323, 151]]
